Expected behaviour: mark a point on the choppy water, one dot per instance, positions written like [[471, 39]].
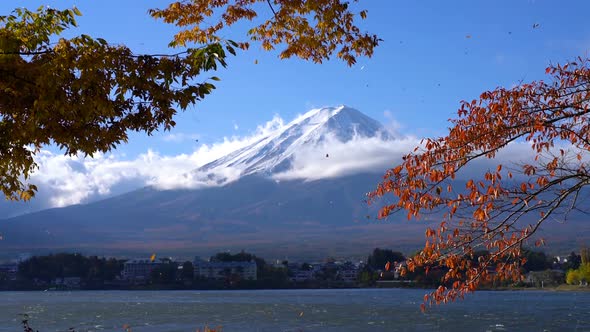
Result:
[[294, 310]]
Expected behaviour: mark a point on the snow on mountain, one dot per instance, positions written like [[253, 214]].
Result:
[[274, 153]]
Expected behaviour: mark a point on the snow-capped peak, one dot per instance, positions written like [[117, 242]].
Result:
[[274, 152]]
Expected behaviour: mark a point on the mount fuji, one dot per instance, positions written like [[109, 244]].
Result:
[[274, 153], [298, 192], [254, 198]]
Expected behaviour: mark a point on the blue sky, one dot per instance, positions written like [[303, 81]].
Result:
[[434, 54]]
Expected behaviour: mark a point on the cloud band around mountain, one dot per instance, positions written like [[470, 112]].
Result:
[[67, 180]]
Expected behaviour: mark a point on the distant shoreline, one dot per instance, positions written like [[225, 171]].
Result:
[[560, 288]]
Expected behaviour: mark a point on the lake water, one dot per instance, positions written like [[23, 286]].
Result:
[[294, 310]]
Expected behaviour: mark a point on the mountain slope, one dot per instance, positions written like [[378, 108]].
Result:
[[252, 212], [291, 218]]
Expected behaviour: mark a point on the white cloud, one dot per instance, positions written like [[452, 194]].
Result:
[[335, 158], [392, 124], [66, 180], [180, 137]]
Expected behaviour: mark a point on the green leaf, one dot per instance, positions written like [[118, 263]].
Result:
[[231, 50], [77, 11]]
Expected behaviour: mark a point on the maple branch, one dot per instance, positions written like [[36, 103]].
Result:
[[51, 51], [272, 9], [500, 253], [27, 53]]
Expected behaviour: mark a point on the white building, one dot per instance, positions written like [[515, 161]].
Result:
[[221, 270], [560, 259], [139, 269], [348, 272], [300, 275]]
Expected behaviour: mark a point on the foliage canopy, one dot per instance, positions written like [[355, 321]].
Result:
[[308, 29]]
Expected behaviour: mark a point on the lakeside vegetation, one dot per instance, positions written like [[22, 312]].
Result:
[[382, 268]]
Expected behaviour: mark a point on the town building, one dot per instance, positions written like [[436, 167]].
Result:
[[223, 270], [9, 270], [348, 273], [547, 278], [303, 272], [299, 275], [139, 269]]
